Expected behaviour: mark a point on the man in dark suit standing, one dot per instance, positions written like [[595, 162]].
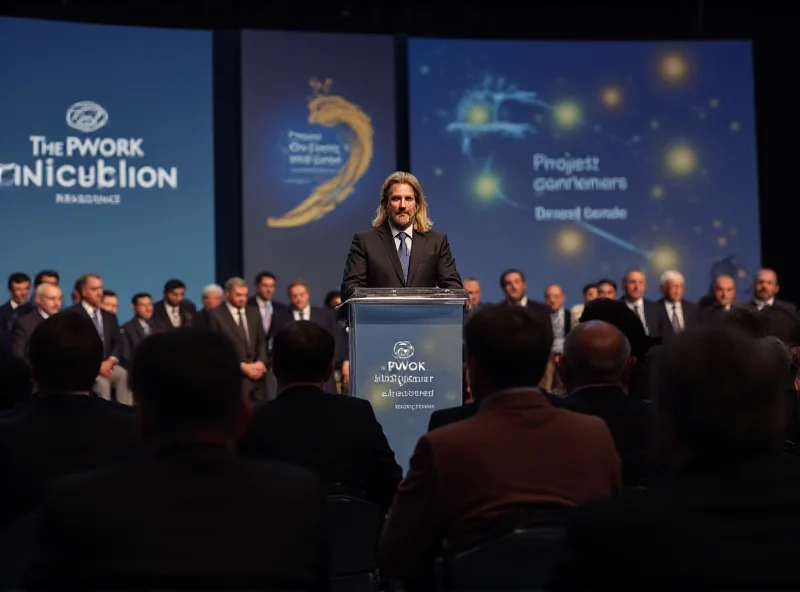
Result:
[[401, 250], [765, 290], [193, 516], [175, 310], [48, 303], [19, 285], [241, 324], [140, 326], [337, 437], [634, 284], [675, 315], [112, 375], [65, 428], [301, 310], [263, 300]]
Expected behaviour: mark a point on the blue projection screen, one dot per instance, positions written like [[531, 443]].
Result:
[[318, 139], [574, 161], [106, 155]]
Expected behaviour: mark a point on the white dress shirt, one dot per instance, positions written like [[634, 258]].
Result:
[[302, 315], [678, 311], [174, 314], [760, 304], [235, 314], [638, 305]]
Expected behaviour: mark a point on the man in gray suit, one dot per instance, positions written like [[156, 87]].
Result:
[[241, 324]]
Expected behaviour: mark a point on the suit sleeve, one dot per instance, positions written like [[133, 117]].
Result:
[[413, 529], [115, 351], [19, 341], [447, 276], [125, 348], [261, 344], [355, 268]]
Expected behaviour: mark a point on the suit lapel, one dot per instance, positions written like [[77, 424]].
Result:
[[388, 242], [418, 243], [233, 325]]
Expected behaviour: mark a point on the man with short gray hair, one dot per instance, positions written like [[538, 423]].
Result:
[[241, 324], [48, 303], [595, 368], [675, 315], [212, 298]]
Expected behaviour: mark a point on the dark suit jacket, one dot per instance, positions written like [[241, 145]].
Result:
[[373, 262], [21, 333], [517, 449], [541, 311], [630, 422], [193, 517], [784, 304], [335, 436], [323, 317], [253, 350], [187, 309], [691, 318], [276, 306], [131, 336], [111, 335], [54, 435], [8, 316], [651, 316], [723, 528]]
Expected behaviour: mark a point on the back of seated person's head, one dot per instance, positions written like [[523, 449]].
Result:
[[745, 320], [16, 382], [781, 323], [718, 398], [506, 347], [187, 387], [617, 313], [302, 353], [65, 353], [595, 353]]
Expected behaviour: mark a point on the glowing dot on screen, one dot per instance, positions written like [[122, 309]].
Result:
[[664, 258], [722, 241], [733, 231], [611, 97], [479, 114], [569, 241], [654, 124], [701, 114], [657, 192], [713, 103], [424, 70], [681, 160], [735, 126], [716, 223], [698, 230], [673, 67], [741, 274], [636, 139], [567, 114], [438, 171], [486, 186]]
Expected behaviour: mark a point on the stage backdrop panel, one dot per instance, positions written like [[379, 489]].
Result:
[[575, 161], [106, 155], [318, 138]]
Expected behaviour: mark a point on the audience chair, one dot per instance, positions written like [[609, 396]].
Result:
[[354, 527]]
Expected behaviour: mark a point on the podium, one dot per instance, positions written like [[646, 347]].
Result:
[[406, 357]]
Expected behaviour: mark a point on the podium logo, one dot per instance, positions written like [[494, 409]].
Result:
[[86, 116], [402, 352]]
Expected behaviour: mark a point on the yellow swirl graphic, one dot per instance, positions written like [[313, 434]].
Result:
[[331, 111]]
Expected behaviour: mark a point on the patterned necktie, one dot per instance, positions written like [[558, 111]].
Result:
[[242, 326], [98, 323], [558, 325], [676, 324], [176, 317], [403, 253], [266, 317]]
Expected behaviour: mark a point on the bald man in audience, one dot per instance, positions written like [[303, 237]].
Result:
[[517, 449], [48, 303], [675, 315], [595, 369], [765, 291]]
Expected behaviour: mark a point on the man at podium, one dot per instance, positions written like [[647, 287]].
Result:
[[401, 249]]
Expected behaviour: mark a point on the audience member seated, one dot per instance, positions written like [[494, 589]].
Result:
[[728, 515], [595, 368], [48, 303], [16, 383], [643, 347], [337, 437], [64, 428], [517, 450], [194, 516]]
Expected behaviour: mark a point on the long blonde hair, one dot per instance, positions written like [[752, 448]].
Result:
[[421, 221]]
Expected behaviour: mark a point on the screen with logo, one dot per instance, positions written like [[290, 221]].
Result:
[[106, 155], [577, 161], [318, 138]]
